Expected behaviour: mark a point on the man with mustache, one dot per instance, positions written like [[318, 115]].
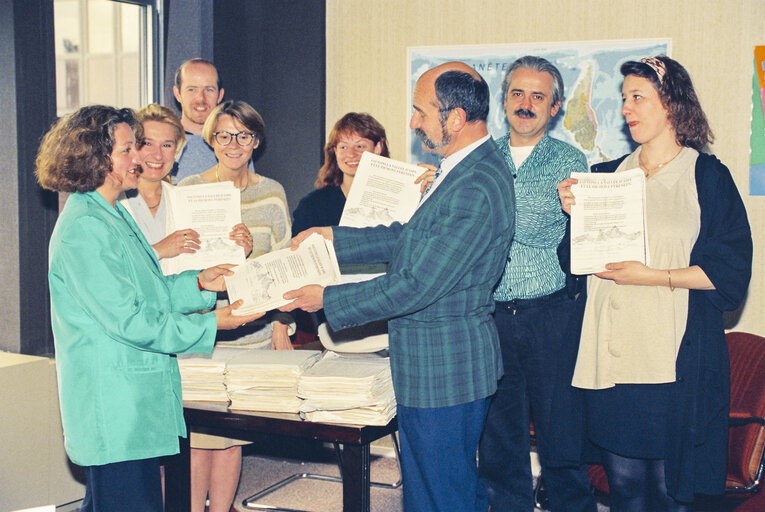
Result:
[[436, 294], [533, 308]]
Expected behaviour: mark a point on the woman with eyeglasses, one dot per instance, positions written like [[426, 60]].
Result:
[[234, 129]]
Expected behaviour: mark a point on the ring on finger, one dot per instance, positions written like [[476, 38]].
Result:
[[185, 236]]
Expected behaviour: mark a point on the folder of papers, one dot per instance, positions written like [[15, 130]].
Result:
[[267, 380], [355, 389], [202, 376]]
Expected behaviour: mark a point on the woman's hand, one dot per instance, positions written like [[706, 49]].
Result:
[[565, 195], [280, 338], [226, 320], [326, 232], [308, 298], [426, 178], [633, 272], [243, 238], [212, 278], [181, 241]]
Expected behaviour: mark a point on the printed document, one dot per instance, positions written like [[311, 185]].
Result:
[[212, 210], [608, 222], [262, 281], [383, 192]]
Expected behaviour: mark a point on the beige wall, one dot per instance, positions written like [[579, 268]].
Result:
[[713, 39]]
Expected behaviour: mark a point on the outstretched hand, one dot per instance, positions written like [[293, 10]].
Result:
[[325, 231], [226, 320], [308, 298], [212, 278]]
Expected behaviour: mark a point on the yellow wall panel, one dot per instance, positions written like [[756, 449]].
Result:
[[713, 39]]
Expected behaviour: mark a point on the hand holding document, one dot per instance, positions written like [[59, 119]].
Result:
[[211, 209], [608, 221], [261, 282], [383, 192]]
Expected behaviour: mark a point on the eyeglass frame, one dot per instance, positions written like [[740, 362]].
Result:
[[235, 136]]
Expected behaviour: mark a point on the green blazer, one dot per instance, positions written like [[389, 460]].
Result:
[[117, 321]]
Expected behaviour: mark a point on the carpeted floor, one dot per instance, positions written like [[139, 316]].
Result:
[[265, 465]]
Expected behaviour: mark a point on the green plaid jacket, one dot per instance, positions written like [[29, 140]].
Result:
[[437, 294]]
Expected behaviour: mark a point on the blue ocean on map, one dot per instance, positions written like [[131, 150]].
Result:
[[590, 117]]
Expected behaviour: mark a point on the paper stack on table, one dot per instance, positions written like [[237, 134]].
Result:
[[267, 380], [202, 376], [355, 389]]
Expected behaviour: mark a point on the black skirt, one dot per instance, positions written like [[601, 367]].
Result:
[[629, 419]]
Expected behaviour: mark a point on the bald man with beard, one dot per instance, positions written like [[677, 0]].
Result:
[[437, 293]]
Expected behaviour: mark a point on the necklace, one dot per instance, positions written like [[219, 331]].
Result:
[[217, 177], [152, 207], [648, 170]]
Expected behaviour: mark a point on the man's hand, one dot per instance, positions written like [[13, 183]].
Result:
[[308, 298], [226, 320], [326, 232], [426, 178], [212, 278], [565, 194]]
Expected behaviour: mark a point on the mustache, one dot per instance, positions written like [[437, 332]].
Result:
[[525, 113]]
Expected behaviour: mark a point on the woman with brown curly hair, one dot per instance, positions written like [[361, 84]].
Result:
[[352, 134], [117, 321], [652, 359]]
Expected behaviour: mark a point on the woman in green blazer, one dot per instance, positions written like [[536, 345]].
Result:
[[117, 321]]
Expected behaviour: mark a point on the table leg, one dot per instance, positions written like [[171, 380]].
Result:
[[355, 472], [178, 480]]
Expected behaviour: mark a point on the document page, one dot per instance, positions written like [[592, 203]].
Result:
[[212, 210], [608, 220], [261, 282], [383, 192]]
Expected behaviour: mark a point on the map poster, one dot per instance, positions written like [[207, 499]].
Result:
[[757, 136], [590, 116]]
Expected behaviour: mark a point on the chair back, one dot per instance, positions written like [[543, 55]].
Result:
[[746, 438]]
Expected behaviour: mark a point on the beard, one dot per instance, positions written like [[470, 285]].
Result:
[[430, 143]]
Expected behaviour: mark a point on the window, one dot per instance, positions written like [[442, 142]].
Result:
[[105, 53]]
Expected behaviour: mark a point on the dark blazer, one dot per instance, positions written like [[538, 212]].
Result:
[[697, 425], [437, 293]]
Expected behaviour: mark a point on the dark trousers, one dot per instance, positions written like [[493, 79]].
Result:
[[438, 464], [535, 349], [133, 485]]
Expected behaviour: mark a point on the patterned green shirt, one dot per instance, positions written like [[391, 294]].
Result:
[[532, 269]]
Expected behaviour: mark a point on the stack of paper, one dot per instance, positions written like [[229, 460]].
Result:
[[267, 380], [355, 389], [202, 376]]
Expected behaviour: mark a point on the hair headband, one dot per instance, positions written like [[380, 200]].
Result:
[[657, 65]]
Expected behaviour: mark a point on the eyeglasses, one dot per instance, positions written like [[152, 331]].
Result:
[[242, 138]]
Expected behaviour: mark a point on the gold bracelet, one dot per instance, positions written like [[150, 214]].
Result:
[[669, 276]]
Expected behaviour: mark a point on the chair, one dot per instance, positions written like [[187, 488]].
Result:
[[746, 438]]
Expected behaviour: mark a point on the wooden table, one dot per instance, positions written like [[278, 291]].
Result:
[[216, 418]]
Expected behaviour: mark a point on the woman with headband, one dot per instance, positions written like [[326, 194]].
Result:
[[652, 357]]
